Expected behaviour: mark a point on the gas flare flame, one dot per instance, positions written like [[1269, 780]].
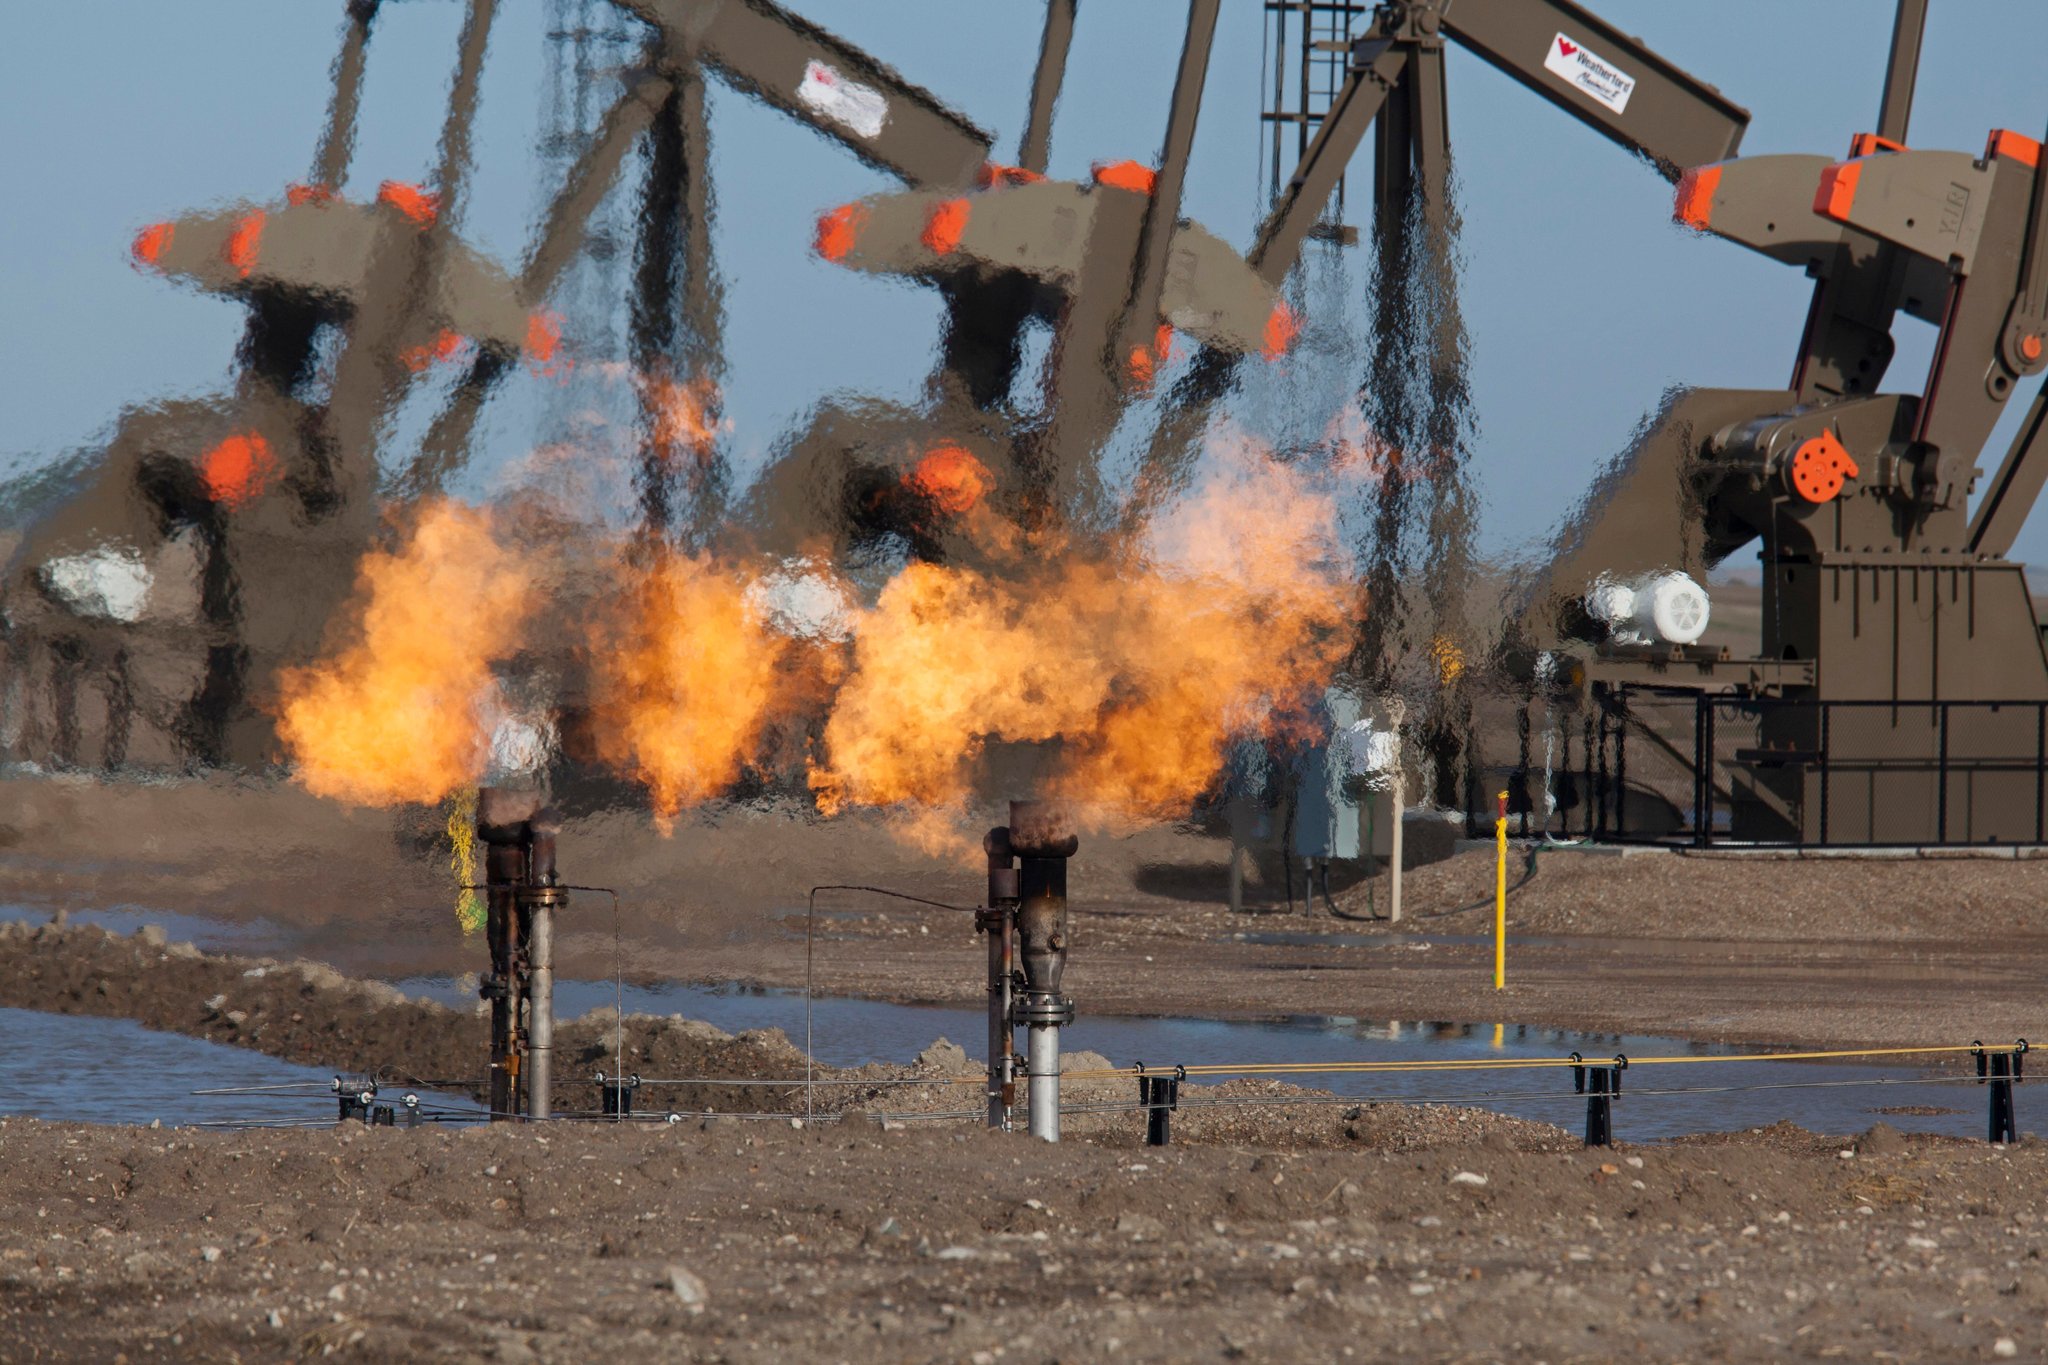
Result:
[[1143, 664], [686, 679], [1137, 664], [400, 711], [682, 416]]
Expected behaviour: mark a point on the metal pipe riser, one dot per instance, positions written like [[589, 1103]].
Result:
[[504, 864], [1043, 1014], [1042, 1067], [1042, 836], [999, 921], [537, 907]]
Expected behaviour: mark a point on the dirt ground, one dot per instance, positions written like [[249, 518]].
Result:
[[736, 1241], [1266, 1232], [1819, 951]]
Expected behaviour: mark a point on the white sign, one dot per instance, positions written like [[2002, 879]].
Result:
[[860, 107], [1605, 82]]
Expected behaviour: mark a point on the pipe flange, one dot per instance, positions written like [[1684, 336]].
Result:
[[539, 897], [1056, 1012]]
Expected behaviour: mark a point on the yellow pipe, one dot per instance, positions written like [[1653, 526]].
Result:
[[1500, 896]]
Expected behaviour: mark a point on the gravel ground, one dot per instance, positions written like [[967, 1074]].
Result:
[[1839, 951], [1266, 1232], [1406, 1237]]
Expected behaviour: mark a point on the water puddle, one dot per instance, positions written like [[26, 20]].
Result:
[[1658, 1100], [253, 938], [82, 1069], [115, 1071]]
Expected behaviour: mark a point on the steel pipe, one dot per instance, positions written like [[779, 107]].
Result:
[[1043, 838], [540, 1007], [1042, 1069], [999, 921]]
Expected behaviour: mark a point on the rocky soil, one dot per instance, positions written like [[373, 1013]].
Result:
[[1836, 951], [1403, 1236], [1267, 1231]]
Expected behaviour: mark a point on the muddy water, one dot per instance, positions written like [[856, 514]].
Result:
[[127, 1080], [85, 1069], [1659, 1099]]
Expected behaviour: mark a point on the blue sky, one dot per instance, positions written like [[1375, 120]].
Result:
[[120, 114]]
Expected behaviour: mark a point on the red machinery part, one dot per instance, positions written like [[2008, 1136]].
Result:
[[1820, 467]]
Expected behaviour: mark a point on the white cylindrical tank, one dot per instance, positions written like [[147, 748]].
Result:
[[1660, 608]]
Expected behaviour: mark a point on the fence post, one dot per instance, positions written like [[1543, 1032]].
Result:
[[1601, 790], [1621, 766], [1586, 789], [1827, 711], [1160, 1096], [1601, 1085], [2040, 769], [2001, 1070], [1941, 778], [1703, 804]]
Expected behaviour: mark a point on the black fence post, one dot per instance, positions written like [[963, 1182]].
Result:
[[1159, 1096], [2040, 771], [617, 1092], [2001, 1070], [1703, 797], [1941, 780], [1827, 711], [1601, 1085], [1621, 766], [1601, 789], [1586, 791]]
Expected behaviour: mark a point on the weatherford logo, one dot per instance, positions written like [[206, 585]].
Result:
[[1600, 80]]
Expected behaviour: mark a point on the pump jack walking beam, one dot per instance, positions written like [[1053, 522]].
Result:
[[1613, 83], [1580, 63], [775, 56]]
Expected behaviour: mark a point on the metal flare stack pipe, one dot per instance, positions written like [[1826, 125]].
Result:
[[1042, 838], [998, 919], [522, 893]]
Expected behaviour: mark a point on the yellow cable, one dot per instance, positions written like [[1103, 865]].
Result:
[[1481, 1064]]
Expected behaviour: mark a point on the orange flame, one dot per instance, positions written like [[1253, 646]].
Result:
[[400, 712], [543, 340], [680, 411], [1143, 666], [685, 681]]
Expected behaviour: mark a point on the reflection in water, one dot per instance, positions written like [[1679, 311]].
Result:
[[82, 1069], [1824, 1097]]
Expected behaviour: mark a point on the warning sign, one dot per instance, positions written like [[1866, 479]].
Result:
[[860, 107], [1602, 80]]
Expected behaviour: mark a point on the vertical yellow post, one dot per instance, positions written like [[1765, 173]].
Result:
[[1500, 896]]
